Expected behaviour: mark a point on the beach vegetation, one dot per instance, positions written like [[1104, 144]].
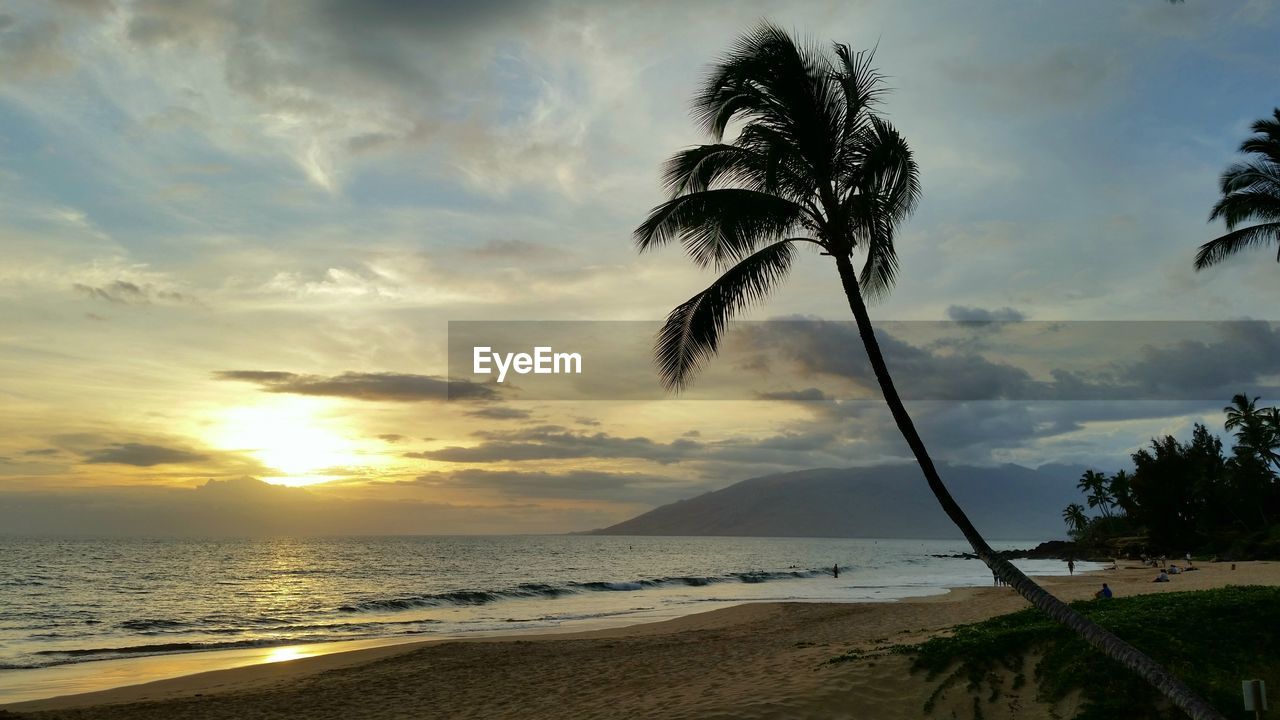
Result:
[[1190, 496], [1214, 638]]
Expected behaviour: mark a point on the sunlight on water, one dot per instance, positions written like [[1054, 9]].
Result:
[[281, 654]]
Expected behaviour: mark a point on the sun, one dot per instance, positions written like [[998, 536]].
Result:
[[297, 437]]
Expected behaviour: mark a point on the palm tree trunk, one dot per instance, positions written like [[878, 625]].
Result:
[[1110, 645]]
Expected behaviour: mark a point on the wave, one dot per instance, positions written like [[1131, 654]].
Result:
[[150, 624], [460, 598]]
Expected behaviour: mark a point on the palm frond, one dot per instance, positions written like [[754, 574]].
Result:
[[1266, 139], [699, 168], [862, 85], [1217, 250], [769, 78], [1245, 205], [720, 226], [890, 170], [691, 334], [1262, 175], [883, 189]]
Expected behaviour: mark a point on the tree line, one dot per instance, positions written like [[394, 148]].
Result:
[[1191, 495]]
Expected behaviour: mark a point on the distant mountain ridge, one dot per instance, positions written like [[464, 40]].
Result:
[[892, 501]]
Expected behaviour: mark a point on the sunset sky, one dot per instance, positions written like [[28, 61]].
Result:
[[234, 234]]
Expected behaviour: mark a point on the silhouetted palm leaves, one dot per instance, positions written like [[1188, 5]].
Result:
[[1250, 192]]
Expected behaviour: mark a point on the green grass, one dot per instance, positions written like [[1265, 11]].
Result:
[[1212, 639]]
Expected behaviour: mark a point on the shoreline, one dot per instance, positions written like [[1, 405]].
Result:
[[751, 661], [255, 667], [23, 685]]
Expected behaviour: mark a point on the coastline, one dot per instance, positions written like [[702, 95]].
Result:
[[749, 660]]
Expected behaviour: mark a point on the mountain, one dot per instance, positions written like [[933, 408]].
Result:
[[892, 501]]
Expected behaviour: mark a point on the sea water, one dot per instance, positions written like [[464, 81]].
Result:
[[65, 601]]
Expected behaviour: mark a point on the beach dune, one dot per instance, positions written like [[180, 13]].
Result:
[[755, 661]]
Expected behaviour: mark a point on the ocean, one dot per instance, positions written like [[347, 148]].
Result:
[[71, 601]]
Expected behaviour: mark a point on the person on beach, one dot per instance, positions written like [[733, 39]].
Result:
[[1162, 577], [1071, 566], [1104, 593], [835, 570]]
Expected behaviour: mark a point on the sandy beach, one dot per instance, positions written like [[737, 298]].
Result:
[[764, 660]]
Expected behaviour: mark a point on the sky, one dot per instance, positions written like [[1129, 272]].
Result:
[[234, 235]]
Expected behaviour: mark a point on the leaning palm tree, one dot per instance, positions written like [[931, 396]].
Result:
[[813, 165], [1250, 191]]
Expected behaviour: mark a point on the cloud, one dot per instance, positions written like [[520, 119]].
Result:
[[585, 484], [141, 455], [551, 443], [507, 249], [244, 506], [963, 313], [1032, 361], [127, 293], [807, 395], [500, 413], [391, 437], [384, 387]]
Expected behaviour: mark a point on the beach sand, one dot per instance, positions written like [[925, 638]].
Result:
[[753, 661]]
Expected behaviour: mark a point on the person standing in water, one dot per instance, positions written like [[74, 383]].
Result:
[[835, 571], [1071, 566]]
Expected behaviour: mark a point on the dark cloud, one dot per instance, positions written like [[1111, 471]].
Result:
[[41, 452], [500, 413], [807, 446], [1245, 354], [806, 395], [552, 443], [126, 293], [963, 313], [507, 249], [391, 437], [586, 484], [141, 455], [835, 349], [1100, 360], [389, 387]]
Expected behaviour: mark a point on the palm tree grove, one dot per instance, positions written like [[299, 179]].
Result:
[[1190, 496]]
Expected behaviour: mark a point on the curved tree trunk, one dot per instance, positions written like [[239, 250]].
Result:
[[1097, 636]]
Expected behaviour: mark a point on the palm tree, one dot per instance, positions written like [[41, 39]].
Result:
[[1250, 191], [1075, 519], [1094, 485], [1242, 412], [813, 165], [1257, 429], [1121, 489], [1271, 434]]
